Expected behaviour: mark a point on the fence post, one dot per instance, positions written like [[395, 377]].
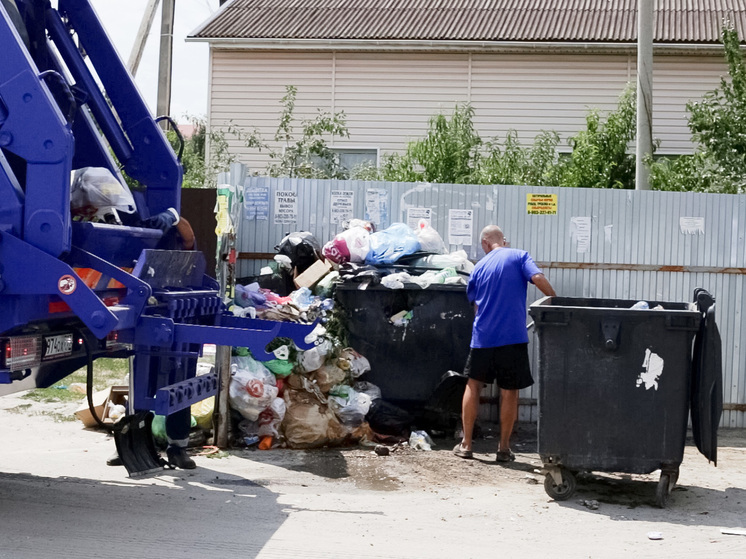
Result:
[[230, 202]]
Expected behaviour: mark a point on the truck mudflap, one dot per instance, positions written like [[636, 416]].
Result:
[[133, 436]]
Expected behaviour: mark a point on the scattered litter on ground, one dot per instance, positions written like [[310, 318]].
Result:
[[733, 531], [420, 440], [382, 450]]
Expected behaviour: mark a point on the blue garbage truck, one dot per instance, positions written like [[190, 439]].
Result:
[[77, 288]]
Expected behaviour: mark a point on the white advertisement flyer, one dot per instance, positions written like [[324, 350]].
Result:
[[342, 205], [414, 215], [460, 227], [580, 232], [286, 207], [377, 207]]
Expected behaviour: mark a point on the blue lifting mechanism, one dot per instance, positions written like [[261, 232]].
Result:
[[70, 291]]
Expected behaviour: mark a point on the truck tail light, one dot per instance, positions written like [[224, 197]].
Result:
[[112, 339], [21, 352]]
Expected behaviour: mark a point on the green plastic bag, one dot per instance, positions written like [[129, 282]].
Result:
[[280, 367], [159, 428]]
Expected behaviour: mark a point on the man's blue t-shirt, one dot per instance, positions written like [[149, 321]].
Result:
[[498, 286]]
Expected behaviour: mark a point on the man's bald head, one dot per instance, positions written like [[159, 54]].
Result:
[[492, 237]]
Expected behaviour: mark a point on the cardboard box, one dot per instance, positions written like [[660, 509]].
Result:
[[116, 394], [313, 274], [99, 404]]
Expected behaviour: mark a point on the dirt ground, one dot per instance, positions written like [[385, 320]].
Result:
[[58, 498]]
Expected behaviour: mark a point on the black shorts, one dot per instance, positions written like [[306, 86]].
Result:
[[508, 365]]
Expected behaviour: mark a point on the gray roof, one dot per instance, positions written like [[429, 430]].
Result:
[[567, 21]]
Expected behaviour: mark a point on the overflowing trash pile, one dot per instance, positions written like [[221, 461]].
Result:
[[299, 283], [302, 399], [371, 257], [319, 397]]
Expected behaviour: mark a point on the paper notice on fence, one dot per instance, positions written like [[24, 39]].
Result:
[[692, 225], [460, 227], [580, 233], [256, 202], [377, 207], [286, 207], [343, 203], [224, 224], [414, 215]]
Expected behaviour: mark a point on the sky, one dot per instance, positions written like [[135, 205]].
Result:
[[121, 19]]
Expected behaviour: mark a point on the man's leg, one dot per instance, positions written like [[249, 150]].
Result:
[[508, 416], [177, 432], [470, 410]]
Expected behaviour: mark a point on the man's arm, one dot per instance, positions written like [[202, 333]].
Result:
[[540, 281], [186, 233]]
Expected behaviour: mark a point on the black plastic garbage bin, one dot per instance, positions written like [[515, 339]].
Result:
[[410, 356], [614, 388]]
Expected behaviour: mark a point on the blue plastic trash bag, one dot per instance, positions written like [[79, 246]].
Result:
[[387, 246]]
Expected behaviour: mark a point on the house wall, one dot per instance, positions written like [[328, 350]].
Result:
[[389, 97]]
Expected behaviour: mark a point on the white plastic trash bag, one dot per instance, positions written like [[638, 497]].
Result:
[[432, 277], [351, 245], [351, 361], [365, 387], [396, 280], [430, 239], [458, 260], [252, 389], [95, 190], [420, 440], [349, 405], [270, 419], [312, 359]]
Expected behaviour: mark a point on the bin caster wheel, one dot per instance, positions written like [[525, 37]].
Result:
[[666, 483], [564, 490]]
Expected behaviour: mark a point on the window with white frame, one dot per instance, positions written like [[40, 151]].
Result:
[[353, 157]]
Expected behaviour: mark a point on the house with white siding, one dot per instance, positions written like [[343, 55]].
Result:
[[526, 65]]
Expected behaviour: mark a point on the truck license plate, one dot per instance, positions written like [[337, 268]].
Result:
[[60, 345]]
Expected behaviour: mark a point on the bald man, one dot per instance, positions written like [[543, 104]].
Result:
[[499, 340]]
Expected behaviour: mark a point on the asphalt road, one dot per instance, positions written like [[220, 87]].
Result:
[[59, 499]]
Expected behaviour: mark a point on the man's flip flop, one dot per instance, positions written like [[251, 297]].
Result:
[[504, 456], [461, 453]]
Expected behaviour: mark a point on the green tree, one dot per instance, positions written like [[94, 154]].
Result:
[[511, 163], [304, 154], [600, 155], [718, 126], [453, 152], [447, 154]]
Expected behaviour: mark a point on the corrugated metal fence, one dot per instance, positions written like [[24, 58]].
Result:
[[590, 243]]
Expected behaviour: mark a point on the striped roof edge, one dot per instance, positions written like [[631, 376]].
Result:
[[563, 21]]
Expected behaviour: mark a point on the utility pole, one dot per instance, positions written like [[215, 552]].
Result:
[[142, 36], [163, 104], [645, 16]]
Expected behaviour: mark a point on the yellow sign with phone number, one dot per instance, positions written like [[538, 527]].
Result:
[[541, 204]]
